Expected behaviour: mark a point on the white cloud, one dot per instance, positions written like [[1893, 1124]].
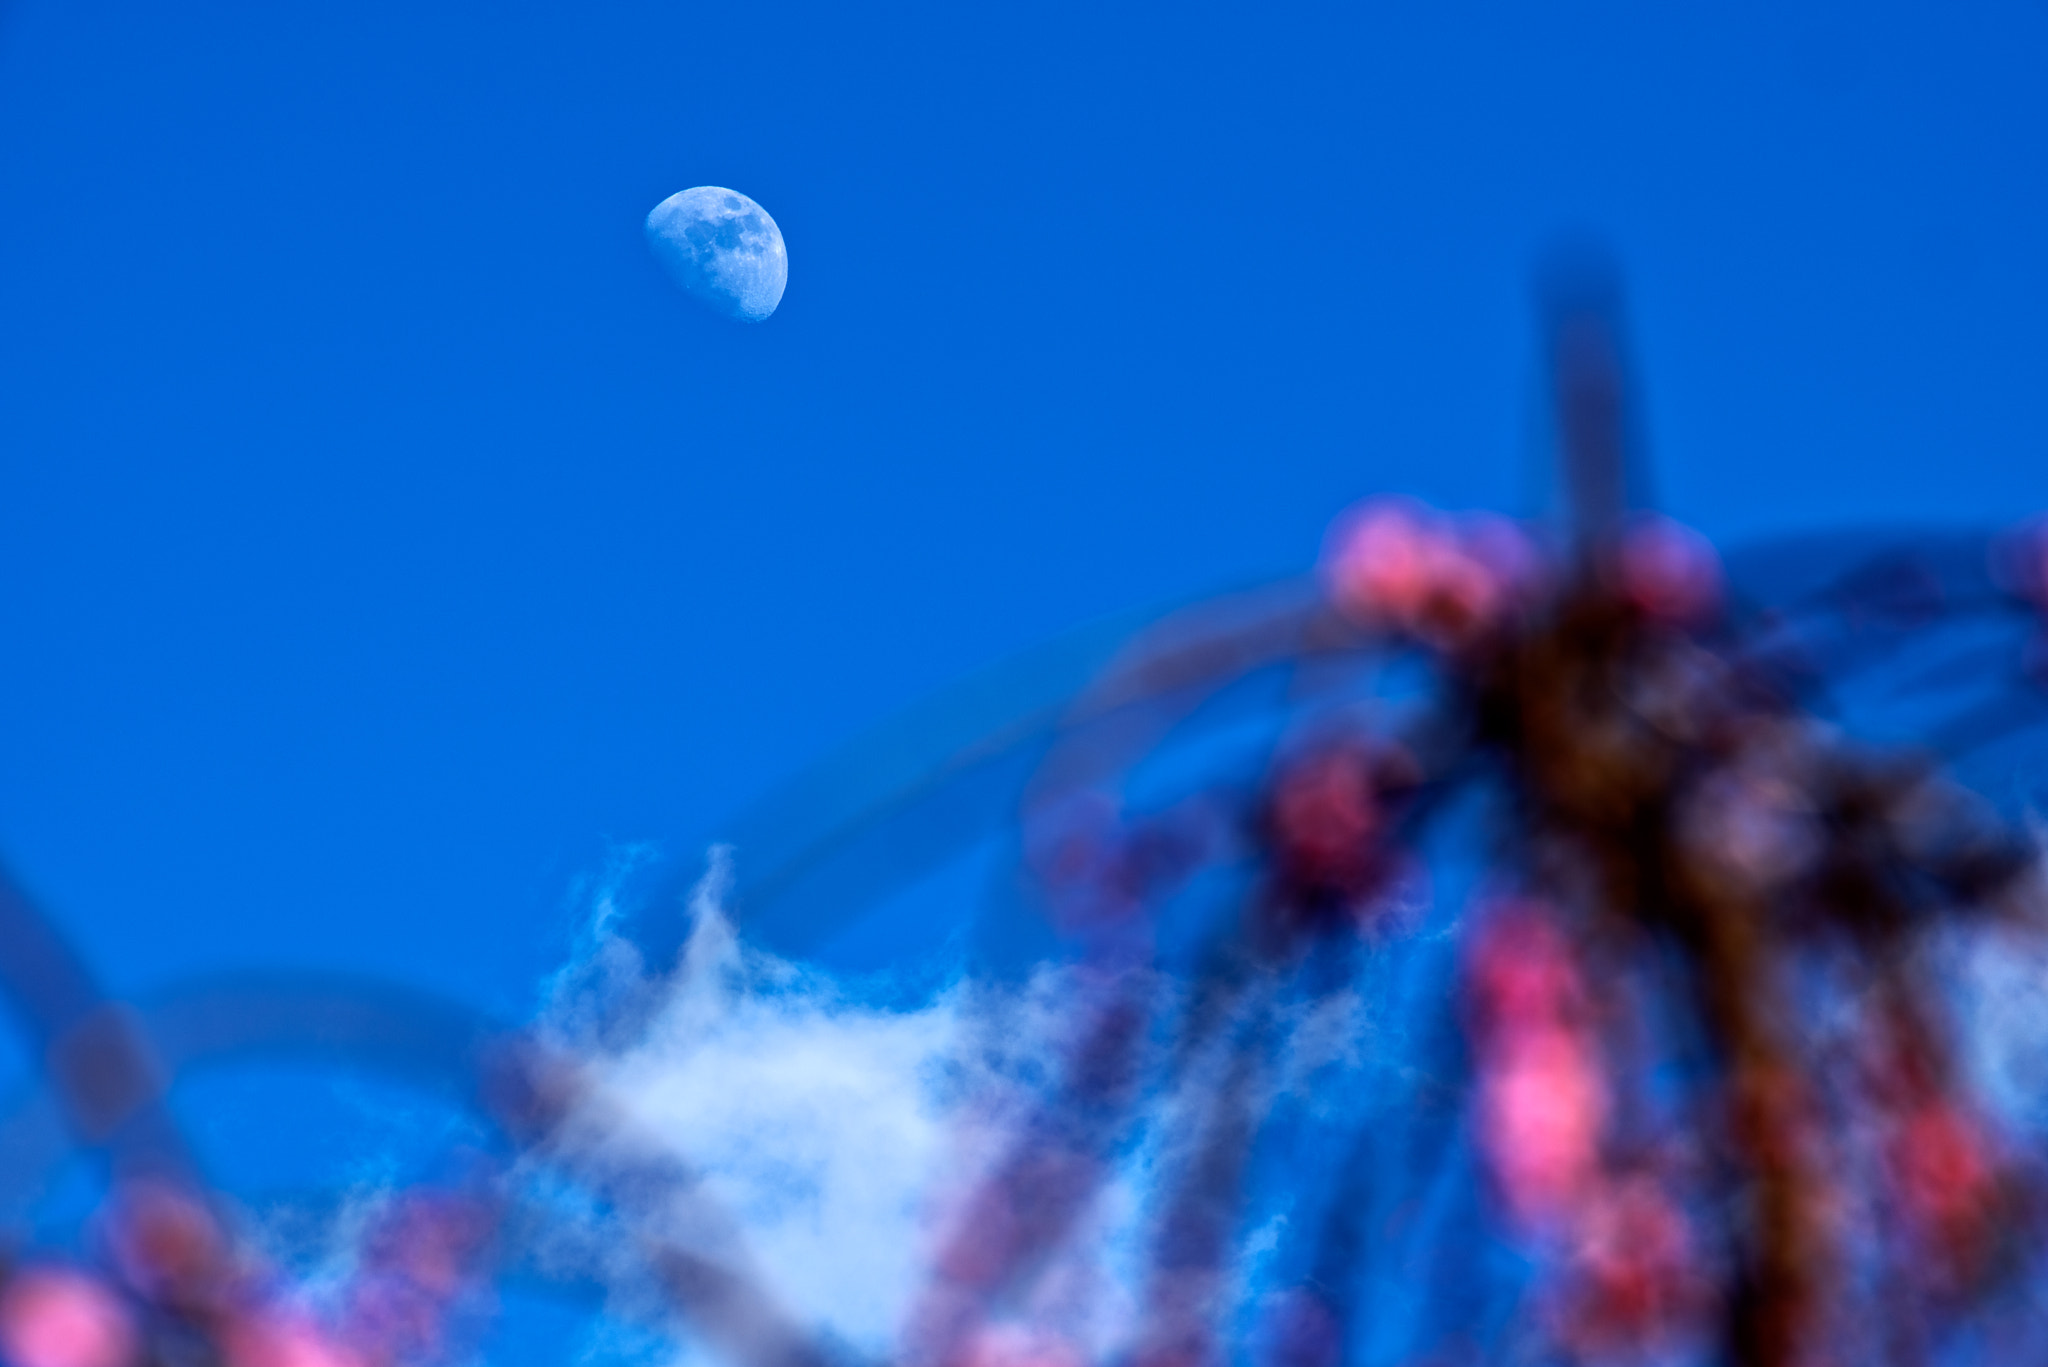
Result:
[[842, 1130], [832, 1130]]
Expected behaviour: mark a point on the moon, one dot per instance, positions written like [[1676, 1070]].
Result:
[[723, 249]]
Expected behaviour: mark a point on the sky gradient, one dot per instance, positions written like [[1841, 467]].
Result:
[[385, 542]]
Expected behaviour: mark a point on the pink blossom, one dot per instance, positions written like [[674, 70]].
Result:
[[1381, 564], [1542, 1107], [53, 1317], [1521, 971], [1542, 1097], [1396, 565], [280, 1339], [1327, 819], [1943, 1173], [1670, 571], [165, 1241], [1636, 1266]]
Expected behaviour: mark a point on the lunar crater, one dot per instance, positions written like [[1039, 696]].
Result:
[[723, 249]]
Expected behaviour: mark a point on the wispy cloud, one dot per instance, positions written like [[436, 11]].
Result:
[[847, 1133], [831, 1128]]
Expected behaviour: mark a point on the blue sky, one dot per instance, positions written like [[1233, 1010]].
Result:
[[383, 538]]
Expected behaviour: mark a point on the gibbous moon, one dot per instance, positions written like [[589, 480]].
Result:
[[723, 249]]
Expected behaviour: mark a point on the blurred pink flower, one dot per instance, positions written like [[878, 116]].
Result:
[[1395, 564], [1542, 1107], [282, 1339], [1944, 1175], [165, 1241], [1520, 971], [1670, 571], [1542, 1099], [1636, 1270], [1327, 821], [53, 1317]]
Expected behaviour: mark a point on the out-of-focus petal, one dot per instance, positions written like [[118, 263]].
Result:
[[55, 1317]]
